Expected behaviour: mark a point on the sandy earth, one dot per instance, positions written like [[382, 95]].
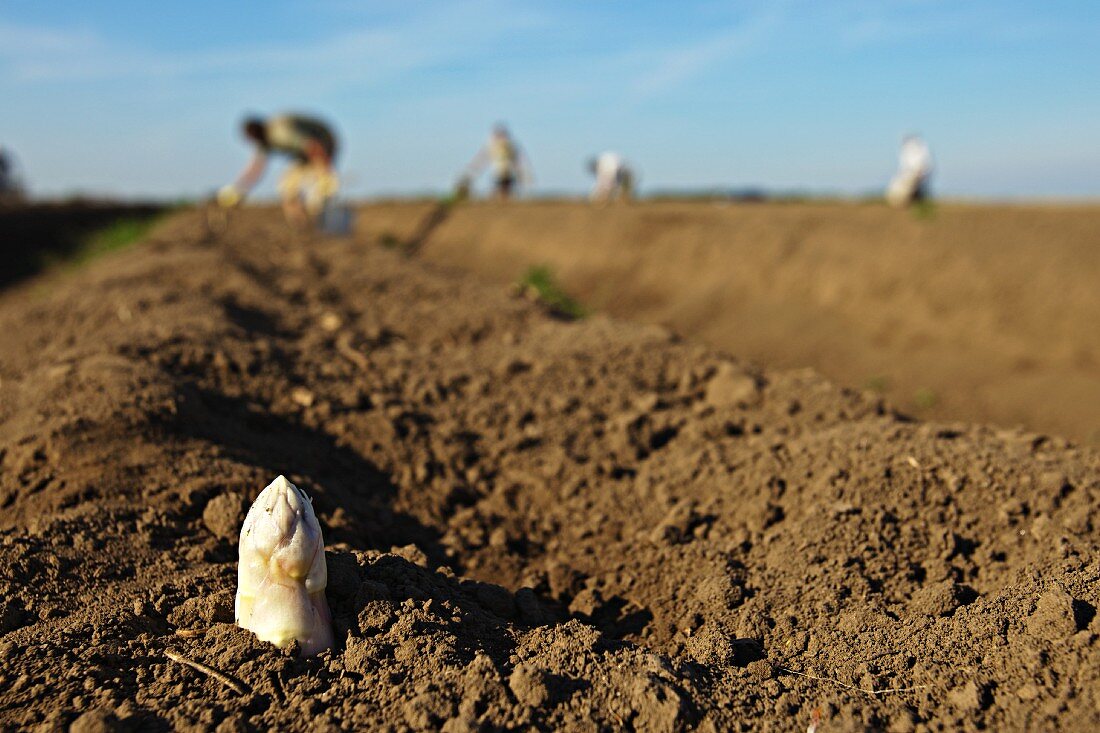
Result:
[[532, 523], [979, 313]]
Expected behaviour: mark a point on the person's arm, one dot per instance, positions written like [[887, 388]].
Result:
[[526, 170], [232, 194], [478, 163], [252, 173]]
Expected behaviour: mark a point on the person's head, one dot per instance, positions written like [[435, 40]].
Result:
[[500, 130], [255, 130]]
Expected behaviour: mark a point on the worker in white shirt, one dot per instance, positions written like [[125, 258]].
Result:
[[614, 179], [910, 183], [506, 158]]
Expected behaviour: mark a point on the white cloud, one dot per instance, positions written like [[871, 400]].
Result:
[[427, 38], [875, 22], [677, 65], [17, 40]]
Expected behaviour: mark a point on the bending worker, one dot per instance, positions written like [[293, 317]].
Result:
[[614, 179], [309, 181], [508, 161], [5, 172], [10, 187], [910, 183]]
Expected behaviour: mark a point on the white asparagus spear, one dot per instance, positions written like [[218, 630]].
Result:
[[281, 575]]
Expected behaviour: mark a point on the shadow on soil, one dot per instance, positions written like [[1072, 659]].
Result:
[[349, 491], [34, 236]]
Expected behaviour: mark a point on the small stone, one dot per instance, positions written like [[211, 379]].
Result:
[[97, 720], [1053, 484], [730, 387], [902, 724], [301, 396], [646, 403], [232, 724], [677, 524], [586, 602], [1027, 692], [715, 646], [528, 684], [966, 697], [530, 610], [460, 724], [375, 617], [412, 554], [1041, 528], [658, 704]]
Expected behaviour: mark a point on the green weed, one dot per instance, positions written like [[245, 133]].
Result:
[[539, 283], [924, 210], [116, 236], [877, 384], [925, 398]]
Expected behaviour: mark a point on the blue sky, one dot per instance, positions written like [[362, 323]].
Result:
[[140, 98]]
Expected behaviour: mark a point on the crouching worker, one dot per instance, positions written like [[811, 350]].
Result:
[[310, 180], [614, 179], [910, 184], [508, 161]]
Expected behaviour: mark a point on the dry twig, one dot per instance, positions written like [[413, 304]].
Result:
[[222, 677], [276, 685], [846, 686], [190, 633], [349, 352]]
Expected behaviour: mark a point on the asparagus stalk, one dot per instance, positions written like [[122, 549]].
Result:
[[281, 575]]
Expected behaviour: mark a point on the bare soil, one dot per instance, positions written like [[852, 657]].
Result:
[[983, 313], [532, 523]]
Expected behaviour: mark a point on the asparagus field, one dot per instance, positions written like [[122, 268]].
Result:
[[532, 522], [974, 312]]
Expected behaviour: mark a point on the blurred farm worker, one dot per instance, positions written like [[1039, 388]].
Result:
[[5, 170], [10, 187], [310, 180], [614, 178], [510, 165], [910, 183]]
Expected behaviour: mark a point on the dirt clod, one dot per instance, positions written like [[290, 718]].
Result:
[[1053, 619], [942, 598], [224, 515], [527, 682], [730, 387]]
